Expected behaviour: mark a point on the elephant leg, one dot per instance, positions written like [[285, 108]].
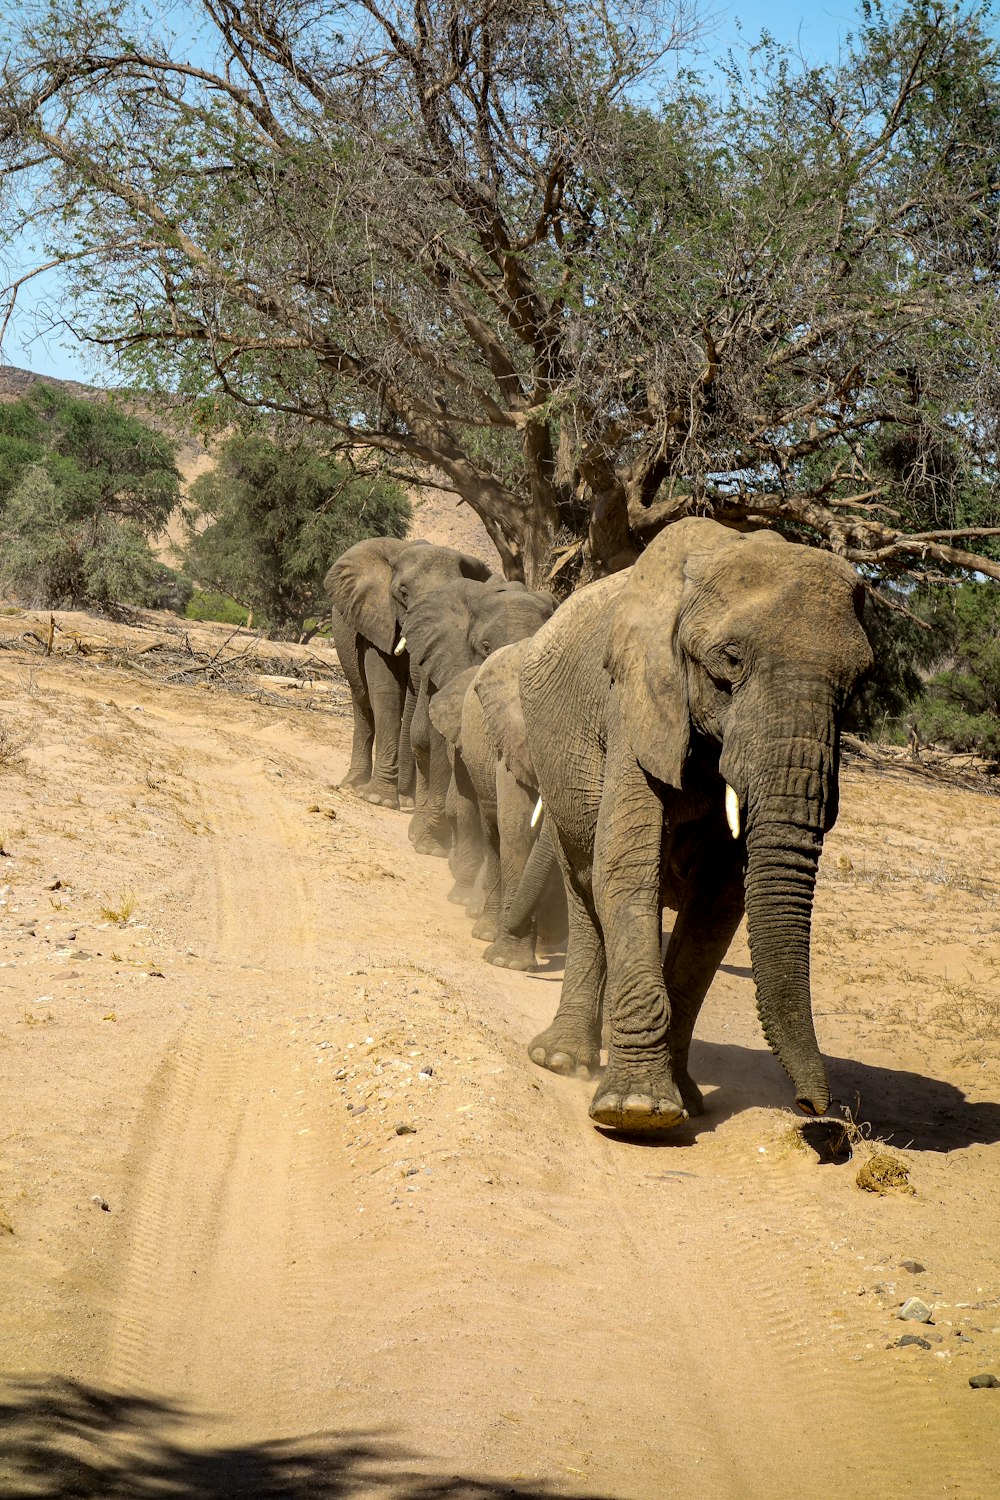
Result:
[[429, 831], [420, 743], [572, 1044], [386, 688], [710, 911], [638, 1092], [514, 808], [488, 923], [407, 780], [467, 848], [348, 645]]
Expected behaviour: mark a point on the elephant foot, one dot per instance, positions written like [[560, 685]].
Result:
[[559, 1050], [511, 953], [355, 781], [460, 893], [694, 1099], [426, 843], [638, 1098], [486, 928], [380, 796], [406, 802]]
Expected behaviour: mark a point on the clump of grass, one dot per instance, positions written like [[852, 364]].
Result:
[[121, 913], [12, 746]]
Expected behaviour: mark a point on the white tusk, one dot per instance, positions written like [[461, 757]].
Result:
[[537, 813], [401, 647], [732, 811]]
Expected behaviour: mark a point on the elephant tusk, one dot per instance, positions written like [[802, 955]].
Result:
[[537, 813], [732, 811], [398, 651]]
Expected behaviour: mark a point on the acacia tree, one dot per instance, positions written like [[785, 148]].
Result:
[[488, 240]]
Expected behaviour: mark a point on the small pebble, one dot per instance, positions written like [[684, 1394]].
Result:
[[908, 1339], [101, 1202], [913, 1266], [984, 1382], [404, 1129]]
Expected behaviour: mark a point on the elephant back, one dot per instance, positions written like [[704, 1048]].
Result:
[[359, 585], [496, 687]]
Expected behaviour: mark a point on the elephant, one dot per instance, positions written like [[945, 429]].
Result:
[[498, 794], [683, 719], [447, 632], [495, 701], [369, 588]]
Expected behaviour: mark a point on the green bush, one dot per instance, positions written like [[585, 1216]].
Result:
[[945, 679], [52, 558], [82, 488], [265, 524], [204, 604]]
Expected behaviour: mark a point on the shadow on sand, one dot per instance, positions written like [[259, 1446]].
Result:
[[60, 1440], [910, 1109]]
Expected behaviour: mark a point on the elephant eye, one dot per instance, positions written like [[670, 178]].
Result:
[[485, 647], [725, 664]]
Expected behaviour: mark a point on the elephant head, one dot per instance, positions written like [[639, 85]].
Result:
[[461, 625], [418, 573], [359, 586], [740, 651], [372, 583]]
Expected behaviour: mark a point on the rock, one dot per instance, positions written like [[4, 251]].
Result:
[[984, 1382], [914, 1310], [909, 1339], [404, 1129], [100, 1202], [55, 884], [358, 1109], [426, 1071], [913, 1266]]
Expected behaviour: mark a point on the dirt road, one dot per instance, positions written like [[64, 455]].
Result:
[[355, 1244]]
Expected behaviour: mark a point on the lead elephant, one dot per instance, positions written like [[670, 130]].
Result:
[[369, 587], [683, 721]]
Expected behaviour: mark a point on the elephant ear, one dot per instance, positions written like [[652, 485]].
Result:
[[474, 568], [445, 707], [496, 687], [359, 585], [436, 628], [642, 656]]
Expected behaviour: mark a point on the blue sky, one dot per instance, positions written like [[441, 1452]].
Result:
[[817, 32]]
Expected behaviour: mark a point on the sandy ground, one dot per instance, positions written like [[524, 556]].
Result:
[[226, 987]]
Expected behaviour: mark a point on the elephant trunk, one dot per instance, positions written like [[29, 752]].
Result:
[[531, 886], [789, 806]]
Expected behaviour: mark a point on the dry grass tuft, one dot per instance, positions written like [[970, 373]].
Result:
[[121, 913], [12, 747]]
